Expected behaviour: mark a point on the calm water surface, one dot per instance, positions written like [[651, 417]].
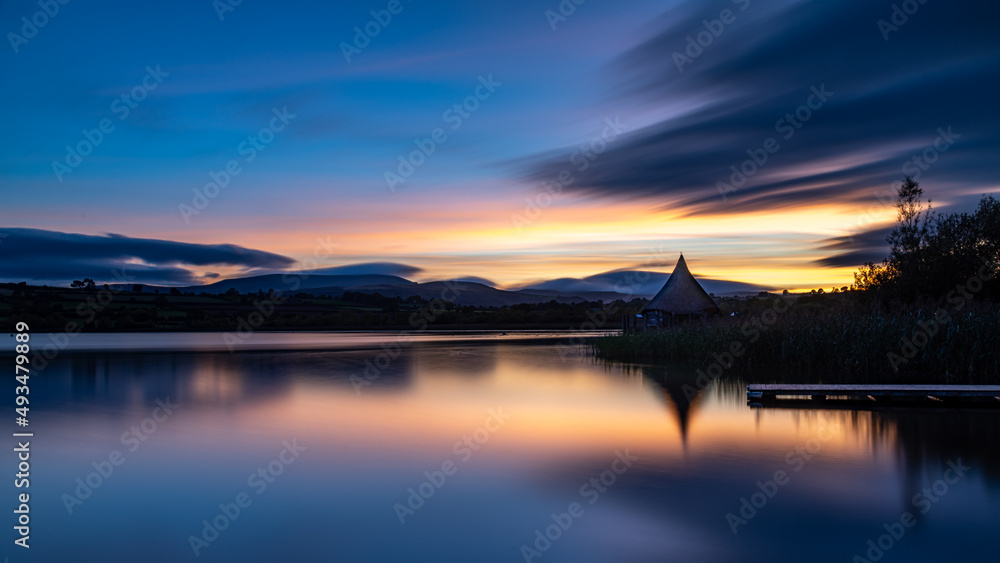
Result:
[[355, 448]]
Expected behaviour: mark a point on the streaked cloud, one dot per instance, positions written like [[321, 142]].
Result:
[[867, 246], [52, 256], [887, 102], [802, 219]]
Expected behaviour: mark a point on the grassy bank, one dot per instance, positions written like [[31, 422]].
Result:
[[964, 347]]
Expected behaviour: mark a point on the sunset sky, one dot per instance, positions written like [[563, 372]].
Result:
[[838, 103]]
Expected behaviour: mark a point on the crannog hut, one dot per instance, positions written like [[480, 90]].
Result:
[[682, 298]]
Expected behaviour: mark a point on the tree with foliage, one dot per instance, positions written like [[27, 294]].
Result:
[[930, 253], [913, 220]]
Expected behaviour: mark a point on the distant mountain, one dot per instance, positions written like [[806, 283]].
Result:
[[466, 293], [641, 283], [476, 279], [368, 268], [286, 282], [470, 292]]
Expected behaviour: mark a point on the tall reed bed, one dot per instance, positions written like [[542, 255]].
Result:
[[965, 348]]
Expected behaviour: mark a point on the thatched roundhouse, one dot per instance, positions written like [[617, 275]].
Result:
[[682, 298]]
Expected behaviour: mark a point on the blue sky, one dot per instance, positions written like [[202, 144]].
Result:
[[651, 190]]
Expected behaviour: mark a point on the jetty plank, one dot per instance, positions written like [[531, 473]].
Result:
[[773, 392]]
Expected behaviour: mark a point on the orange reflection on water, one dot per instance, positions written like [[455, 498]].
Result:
[[578, 409], [842, 434], [215, 381]]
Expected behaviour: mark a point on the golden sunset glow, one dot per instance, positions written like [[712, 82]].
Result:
[[775, 249]]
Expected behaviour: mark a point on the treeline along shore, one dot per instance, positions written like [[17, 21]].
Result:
[[92, 308], [931, 308]]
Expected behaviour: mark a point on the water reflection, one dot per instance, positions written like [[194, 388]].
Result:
[[921, 437], [700, 451]]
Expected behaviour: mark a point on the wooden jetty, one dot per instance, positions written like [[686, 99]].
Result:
[[928, 395]]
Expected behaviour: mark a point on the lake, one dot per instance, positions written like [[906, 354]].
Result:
[[475, 447]]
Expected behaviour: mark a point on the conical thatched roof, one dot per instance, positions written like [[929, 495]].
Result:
[[682, 294]]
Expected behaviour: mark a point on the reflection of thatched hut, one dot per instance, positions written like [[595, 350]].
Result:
[[682, 297]]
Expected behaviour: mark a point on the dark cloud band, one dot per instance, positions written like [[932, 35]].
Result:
[[755, 117], [40, 255]]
